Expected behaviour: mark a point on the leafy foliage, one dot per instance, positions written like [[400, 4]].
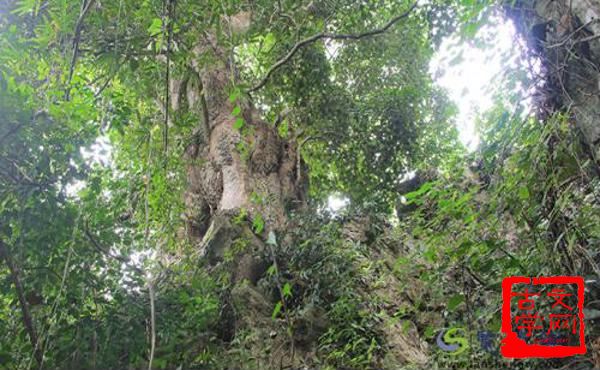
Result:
[[93, 234]]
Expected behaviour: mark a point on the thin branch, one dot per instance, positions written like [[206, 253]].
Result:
[[108, 81], [107, 253], [569, 36], [78, 26], [329, 36], [587, 39], [170, 6], [27, 320]]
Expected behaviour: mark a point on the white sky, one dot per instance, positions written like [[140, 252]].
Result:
[[98, 153], [336, 202], [470, 80]]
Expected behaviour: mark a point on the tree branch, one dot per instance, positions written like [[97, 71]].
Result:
[[170, 8], [78, 26], [330, 36], [107, 253], [27, 320]]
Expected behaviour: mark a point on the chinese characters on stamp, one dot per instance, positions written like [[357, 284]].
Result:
[[542, 317]]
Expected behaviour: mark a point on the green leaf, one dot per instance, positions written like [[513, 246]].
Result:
[[258, 224], [283, 129], [155, 27], [276, 310], [25, 7], [430, 254], [236, 111], [471, 29], [523, 193], [429, 332], [287, 290], [239, 123], [234, 95], [454, 301], [422, 190], [160, 363]]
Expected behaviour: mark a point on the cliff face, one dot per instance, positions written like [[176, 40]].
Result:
[[565, 35]]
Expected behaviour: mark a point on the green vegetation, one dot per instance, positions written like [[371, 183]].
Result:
[[165, 168]]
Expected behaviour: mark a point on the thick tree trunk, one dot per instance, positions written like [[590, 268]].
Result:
[[566, 36], [231, 169]]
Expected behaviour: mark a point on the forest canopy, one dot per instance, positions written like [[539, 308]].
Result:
[[166, 168]]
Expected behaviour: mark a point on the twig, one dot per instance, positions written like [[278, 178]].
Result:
[[107, 253], [107, 82], [586, 39], [569, 36], [478, 279], [330, 36], [84, 10]]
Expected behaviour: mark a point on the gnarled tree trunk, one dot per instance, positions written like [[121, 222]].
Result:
[[566, 36], [231, 169]]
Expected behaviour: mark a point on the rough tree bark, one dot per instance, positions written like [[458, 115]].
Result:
[[222, 180], [261, 179], [565, 34], [267, 183]]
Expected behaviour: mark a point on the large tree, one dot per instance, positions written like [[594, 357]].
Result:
[[219, 115], [165, 166]]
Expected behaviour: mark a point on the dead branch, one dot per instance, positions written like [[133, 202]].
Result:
[[572, 34]]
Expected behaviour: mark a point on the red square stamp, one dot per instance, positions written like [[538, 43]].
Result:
[[542, 317]]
